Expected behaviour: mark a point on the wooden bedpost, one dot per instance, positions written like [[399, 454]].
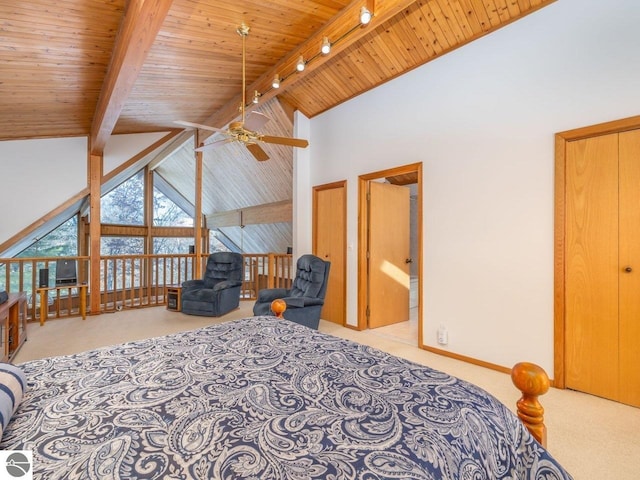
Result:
[[278, 306], [532, 381]]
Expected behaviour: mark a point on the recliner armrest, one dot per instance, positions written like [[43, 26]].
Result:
[[193, 283], [300, 302], [226, 284], [270, 294]]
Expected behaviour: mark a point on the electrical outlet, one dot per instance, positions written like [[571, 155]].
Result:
[[443, 335]]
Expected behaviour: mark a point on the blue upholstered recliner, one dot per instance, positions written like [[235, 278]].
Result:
[[305, 298], [219, 291]]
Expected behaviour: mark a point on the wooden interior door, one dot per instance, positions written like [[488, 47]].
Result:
[[629, 268], [591, 358], [603, 266], [329, 241], [388, 246]]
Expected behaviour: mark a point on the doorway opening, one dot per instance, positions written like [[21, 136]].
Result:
[[390, 253]]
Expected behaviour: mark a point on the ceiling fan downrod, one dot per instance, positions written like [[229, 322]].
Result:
[[243, 31]]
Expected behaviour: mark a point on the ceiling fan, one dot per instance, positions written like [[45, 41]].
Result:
[[245, 131]]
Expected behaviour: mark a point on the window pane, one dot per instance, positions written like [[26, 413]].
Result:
[[61, 242], [171, 245], [216, 240], [124, 205], [122, 246], [167, 214]]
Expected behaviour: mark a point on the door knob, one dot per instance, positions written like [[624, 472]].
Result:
[[408, 260], [628, 269]]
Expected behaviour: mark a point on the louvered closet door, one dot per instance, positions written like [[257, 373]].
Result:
[[603, 266]]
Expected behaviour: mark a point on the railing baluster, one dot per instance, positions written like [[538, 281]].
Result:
[[131, 281]]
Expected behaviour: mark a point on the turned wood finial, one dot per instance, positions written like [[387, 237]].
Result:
[[532, 381], [278, 306]]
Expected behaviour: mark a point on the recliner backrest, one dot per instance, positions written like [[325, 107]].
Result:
[[311, 273], [223, 266]]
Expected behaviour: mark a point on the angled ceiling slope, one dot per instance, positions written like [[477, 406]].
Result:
[[56, 57]]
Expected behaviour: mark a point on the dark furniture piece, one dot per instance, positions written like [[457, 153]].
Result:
[[174, 297], [305, 298], [219, 291], [66, 272]]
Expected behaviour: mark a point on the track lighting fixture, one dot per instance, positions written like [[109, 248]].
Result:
[[300, 64], [365, 15], [326, 46]]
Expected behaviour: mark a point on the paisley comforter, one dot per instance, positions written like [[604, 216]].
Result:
[[262, 398]]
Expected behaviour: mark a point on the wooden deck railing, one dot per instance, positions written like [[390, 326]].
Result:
[[133, 281], [266, 271]]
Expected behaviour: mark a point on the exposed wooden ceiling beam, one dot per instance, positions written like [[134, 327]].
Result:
[[275, 212], [140, 25], [344, 26]]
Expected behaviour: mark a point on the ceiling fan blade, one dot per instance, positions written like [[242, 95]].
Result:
[[212, 145], [292, 142], [257, 151], [255, 121], [200, 126]]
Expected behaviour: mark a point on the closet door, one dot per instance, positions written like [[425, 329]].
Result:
[[629, 325], [591, 301], [603, 266], [329, 240]]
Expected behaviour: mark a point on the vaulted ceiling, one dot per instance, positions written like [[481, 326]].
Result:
[[102, 67]]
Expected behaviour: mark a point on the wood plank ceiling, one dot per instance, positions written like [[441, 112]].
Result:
[[90, 67], [55, 56]]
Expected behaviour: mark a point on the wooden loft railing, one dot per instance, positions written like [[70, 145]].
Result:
[[133, 281], [266, 271]]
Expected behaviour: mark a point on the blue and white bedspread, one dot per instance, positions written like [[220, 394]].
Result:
[[262, 398]]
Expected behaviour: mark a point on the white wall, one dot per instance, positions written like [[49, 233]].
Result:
[[38, 175], [44, 173], [302, 189], [120, 148], [482, 120]]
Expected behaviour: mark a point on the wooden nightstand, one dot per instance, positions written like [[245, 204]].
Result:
[[174, 297]]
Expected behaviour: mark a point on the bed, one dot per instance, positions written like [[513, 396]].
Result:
[[263, 398]]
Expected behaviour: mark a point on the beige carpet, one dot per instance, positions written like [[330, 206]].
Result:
[[591, 437]]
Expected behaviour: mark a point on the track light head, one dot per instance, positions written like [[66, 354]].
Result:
[[276, 81], [365, 15], [300, 65], [256, 96], [326, 46]]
